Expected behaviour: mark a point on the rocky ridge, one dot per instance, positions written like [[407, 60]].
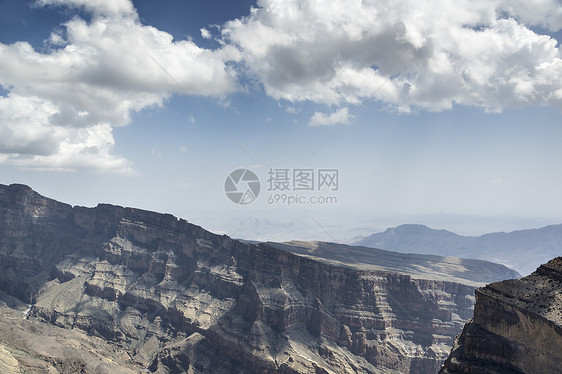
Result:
[[177, 298], [517, 327], [430, 267]]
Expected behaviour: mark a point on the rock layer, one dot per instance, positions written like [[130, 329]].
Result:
[[178, 298], [517, 327]]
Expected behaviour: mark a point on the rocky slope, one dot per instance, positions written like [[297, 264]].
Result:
[[28, 345], [522, 250], [460, 270], [171, 297], [517, 327]]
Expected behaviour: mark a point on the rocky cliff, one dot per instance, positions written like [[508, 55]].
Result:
[[517, 327], [176, 298]]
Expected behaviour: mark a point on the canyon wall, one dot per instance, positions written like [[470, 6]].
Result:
[[517, 327], [178, 298]]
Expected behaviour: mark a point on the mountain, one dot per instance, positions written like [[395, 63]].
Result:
[[432, 267], [522, 250], [517, 327], [113, 289]]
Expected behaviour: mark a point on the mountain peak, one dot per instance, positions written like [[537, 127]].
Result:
[[417, 228]]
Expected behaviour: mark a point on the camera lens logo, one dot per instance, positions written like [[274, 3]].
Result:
[[242, 186]]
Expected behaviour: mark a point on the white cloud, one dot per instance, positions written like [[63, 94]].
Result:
[[545, 13], [64, 101], [24, 124], [30, 139], [339, 117], [101, 72], [205, 33], [479, 53]]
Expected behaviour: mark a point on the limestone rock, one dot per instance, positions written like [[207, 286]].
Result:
[[179, 299], [517, 327]]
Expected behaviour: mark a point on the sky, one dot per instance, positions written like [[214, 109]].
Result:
[[350, 116]]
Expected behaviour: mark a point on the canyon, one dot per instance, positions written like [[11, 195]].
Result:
[[158, 294]]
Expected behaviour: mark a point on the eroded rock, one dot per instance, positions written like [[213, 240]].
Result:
[[178, 298], [517, 327]]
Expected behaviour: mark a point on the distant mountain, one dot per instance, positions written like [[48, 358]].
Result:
[[418, 266], [522, 250]]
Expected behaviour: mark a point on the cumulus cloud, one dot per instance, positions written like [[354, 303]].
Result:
[[29, 139], [436, 53], [545, 13], [99, 73], [64, 102], [205, 33], [339, 117]]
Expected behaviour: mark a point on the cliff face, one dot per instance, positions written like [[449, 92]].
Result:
[[517, 327], [178, 298]]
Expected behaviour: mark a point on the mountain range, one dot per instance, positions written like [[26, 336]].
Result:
[[111, 289], [522, 250]]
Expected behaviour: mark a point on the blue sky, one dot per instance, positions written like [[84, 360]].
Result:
[[454, 123]]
